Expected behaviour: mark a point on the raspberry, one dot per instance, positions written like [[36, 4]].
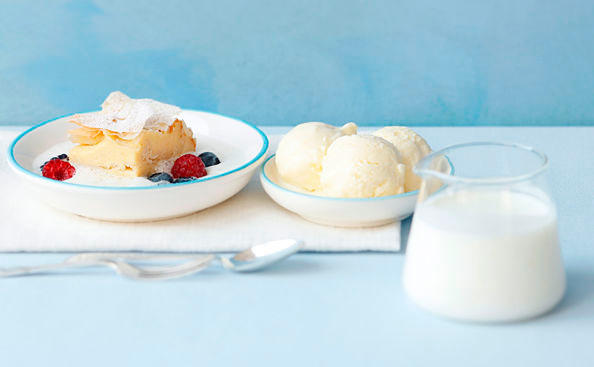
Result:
[[63, 157], [188, 165], [57, 169]]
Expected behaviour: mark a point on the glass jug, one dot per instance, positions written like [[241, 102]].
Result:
[[483, 244]]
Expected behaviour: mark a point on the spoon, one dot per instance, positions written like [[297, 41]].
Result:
[[254, 258]]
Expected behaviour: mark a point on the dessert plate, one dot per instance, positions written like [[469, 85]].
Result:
[[241, 147], [339, 212]]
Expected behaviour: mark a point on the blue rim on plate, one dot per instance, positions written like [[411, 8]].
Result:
[[263, 173], [12, 161]]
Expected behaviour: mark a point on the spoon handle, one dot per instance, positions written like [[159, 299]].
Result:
[[94, 256], [23, 270]]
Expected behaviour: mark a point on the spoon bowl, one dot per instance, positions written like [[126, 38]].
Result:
[[262, 255]]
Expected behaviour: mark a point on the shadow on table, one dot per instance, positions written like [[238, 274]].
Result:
[[293, 266], [579, 297], [404, 231]]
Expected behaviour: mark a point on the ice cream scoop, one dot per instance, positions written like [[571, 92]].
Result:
[[411, 146], [300, 152], [361, 166]]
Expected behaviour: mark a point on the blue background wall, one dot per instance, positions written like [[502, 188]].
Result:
[[276, 62]]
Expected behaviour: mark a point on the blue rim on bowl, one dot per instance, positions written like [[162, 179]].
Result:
[[263, 173], [12, 161]]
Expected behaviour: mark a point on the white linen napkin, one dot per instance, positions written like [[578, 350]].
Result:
[[248, 218]]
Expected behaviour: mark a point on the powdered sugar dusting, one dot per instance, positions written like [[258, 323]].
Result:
[[165, 166], [127, 116]]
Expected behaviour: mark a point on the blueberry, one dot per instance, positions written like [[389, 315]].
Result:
[[161, 176], [209, 159], [183, 179]]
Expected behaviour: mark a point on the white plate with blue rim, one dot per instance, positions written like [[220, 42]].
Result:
[[338, 212], [240, 146]]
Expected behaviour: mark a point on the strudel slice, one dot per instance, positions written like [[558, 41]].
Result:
[[130, 137]]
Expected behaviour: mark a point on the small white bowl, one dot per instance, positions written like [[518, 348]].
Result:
[[339, 212], [241, 147]]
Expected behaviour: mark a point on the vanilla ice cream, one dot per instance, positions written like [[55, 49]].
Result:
[[300, 152], [361, 166], [411, 146]]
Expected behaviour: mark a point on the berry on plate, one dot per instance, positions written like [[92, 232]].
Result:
[[160, 176], [183, 179], [188, 165], [209, 159], [62, 157], [57, 169]]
